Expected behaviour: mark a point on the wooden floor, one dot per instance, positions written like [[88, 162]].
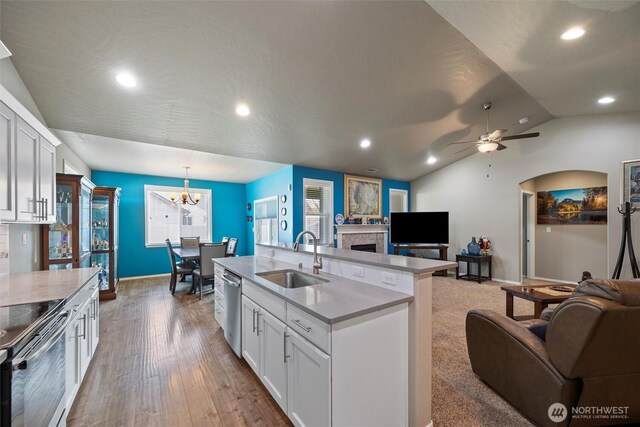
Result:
[[162, 360]]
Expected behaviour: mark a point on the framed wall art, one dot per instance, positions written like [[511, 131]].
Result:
[[573, 206], [630, 182], [362, 197]]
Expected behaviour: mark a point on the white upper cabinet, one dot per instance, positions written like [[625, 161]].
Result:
[[7, 163], [27, 148], [47, 180], [27, 171]]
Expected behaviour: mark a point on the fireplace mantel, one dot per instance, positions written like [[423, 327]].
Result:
[[370, 233]]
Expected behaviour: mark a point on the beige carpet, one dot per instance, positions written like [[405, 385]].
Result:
[[459, 397]]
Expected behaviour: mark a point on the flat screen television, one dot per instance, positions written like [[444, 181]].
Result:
[[420, 227]]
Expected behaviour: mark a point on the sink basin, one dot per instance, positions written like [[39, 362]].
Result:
[[291, 278]]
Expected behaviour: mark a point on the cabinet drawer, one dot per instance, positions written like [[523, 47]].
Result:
[[219, 314], [219, 283], [273, 304], [218, 269], [315, 330], [219, 297]]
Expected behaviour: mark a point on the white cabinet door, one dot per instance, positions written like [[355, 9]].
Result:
[[84, 342], [47, 180], [250, 338], [27, 148], [308, 382], [73, 365], [273, 367], [7, 164], [94, 322]]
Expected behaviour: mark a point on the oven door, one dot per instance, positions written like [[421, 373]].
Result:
[[38, 380]]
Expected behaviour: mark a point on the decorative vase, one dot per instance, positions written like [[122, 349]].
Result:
[[473, 247]]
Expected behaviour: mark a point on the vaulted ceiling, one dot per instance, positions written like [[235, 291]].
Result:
[[318, 77]]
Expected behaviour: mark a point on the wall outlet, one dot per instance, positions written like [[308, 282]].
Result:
[[358, 271], [389, 278], [24, 239]]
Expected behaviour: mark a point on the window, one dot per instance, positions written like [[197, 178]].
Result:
[[165, 219], [266, 220], [398, 200], [318, 209]]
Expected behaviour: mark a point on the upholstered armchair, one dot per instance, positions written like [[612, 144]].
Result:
[[590, 356]]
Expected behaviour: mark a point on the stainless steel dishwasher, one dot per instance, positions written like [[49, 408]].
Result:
[[233, 311]]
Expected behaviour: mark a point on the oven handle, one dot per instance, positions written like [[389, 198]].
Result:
[[20, 363]]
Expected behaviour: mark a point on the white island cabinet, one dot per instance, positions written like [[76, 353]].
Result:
[[313, 369]]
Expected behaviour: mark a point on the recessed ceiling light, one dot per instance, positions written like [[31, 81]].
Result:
[[126, 79], [572, 33], [606, 100], [243, 110], [431, 160], [523, 120], [365, 143]]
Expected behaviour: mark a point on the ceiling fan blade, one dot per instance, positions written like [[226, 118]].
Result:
[[521, 136], [465, 149], [497, 133], [501, 147], [465, 142]]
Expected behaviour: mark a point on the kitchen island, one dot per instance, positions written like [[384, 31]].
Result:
[[383, 377]]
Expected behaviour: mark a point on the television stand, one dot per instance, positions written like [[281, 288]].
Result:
[[442, 252]]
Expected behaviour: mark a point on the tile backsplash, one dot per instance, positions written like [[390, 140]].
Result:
[[4, 249]]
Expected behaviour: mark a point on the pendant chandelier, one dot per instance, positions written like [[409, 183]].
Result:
[[185, 196]]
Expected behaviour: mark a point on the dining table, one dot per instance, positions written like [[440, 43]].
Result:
[[187, 254]]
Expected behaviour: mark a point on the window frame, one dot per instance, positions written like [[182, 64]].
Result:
[[206, 193], [405, 193], [276, 237], [330, 214]]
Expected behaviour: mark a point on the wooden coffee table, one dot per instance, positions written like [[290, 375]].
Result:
[[540, 300]]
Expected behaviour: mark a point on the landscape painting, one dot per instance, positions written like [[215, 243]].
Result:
[[363, 197], [574, 206]]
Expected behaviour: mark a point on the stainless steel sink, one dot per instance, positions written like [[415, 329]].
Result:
[[291, 278]]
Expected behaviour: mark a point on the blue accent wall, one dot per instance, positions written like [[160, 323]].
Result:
[[301, 172], [229, 218], [276, 184]]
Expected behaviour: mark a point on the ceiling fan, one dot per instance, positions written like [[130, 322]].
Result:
[[489, 142]]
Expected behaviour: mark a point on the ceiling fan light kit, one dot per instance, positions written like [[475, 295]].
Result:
[[487, 147], [491, 141]]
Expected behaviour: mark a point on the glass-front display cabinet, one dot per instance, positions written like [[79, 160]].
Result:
[[104, 241], [67, 242]]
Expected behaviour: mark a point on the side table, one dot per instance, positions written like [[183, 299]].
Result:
[[473, 259]]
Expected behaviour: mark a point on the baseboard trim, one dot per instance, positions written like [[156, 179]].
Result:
[[511, 282], [545, 279], [151, 276]]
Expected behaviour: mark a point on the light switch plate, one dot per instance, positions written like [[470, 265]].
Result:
[[24, 239]]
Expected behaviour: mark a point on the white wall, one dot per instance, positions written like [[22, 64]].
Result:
[[490, 205]]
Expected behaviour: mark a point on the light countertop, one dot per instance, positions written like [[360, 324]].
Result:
[[396, 262], [36, 286], [332, 302]]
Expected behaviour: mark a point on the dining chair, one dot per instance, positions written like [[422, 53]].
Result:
[[206, 271], [176, 267], [189, 242], [232, 244]]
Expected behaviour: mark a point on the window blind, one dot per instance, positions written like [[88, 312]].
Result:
[[318, 209]]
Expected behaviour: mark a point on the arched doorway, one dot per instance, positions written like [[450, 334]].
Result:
[[569, 235]]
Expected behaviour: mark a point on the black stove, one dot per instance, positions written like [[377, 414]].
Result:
[[19, 322]]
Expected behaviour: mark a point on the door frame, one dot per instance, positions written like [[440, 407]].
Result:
[[531, 231]]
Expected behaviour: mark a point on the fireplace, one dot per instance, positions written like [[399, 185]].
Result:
[[367, 247], [350, 236]]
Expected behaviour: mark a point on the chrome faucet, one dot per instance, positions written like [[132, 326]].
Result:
[[317, 261]]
